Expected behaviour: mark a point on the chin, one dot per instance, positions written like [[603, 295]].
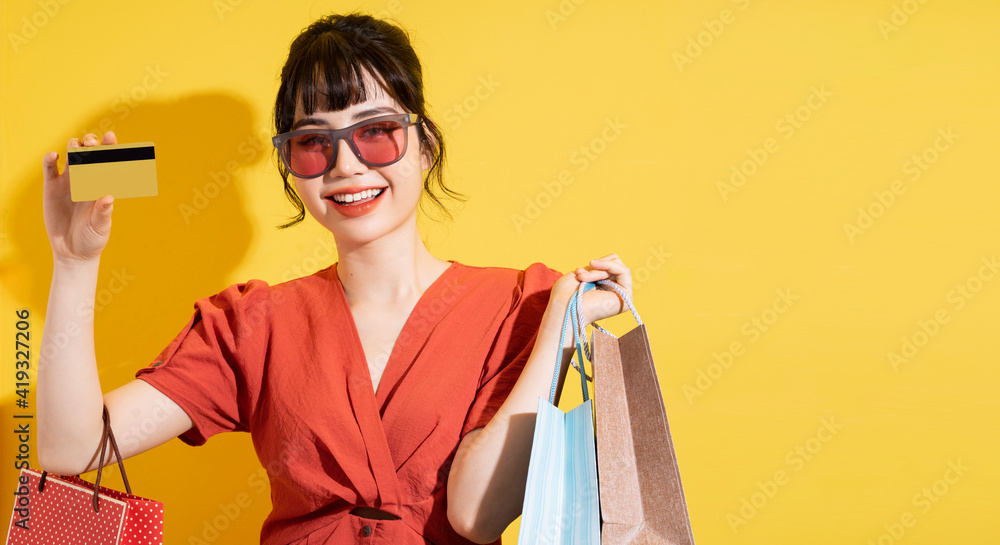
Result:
[[365, 230]]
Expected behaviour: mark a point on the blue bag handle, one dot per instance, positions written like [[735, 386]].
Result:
[[574, 320]]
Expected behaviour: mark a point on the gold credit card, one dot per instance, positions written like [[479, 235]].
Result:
[[121, 170]]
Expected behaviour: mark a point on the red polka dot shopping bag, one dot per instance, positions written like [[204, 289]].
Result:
[[65, 510]]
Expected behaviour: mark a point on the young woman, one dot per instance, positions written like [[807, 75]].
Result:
[[391, 396]]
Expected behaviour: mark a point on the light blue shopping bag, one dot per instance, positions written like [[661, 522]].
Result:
[[561, 503]]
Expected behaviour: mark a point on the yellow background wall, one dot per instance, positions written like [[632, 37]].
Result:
[[802, 189]]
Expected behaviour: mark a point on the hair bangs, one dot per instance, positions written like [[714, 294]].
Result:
[[328, 77]]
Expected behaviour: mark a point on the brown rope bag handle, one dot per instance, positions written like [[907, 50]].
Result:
[[105, 435]]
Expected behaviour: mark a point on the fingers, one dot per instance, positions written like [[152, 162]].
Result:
[[91, 139], [100, 215], [604, 304], [50, 170], [609, 267], [617, 270], [612, 264]]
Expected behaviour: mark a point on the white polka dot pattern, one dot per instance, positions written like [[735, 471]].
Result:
[[63, 514]]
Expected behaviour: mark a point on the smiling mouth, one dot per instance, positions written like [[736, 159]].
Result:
[[352, 199]]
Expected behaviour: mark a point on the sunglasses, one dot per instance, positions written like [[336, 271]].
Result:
[[376, 142]]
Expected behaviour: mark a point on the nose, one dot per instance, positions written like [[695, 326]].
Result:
[[346, 163]]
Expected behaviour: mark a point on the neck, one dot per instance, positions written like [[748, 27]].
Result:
[[393, 267]]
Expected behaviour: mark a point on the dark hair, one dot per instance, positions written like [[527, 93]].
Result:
[[326, 69]]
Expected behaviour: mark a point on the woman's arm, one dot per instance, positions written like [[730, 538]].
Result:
[[69, 395], [488, 475], [69, 392]]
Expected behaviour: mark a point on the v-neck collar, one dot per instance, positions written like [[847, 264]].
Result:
[[393, 371], [368, 405]]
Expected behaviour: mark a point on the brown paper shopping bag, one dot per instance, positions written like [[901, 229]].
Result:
[[642, 500]]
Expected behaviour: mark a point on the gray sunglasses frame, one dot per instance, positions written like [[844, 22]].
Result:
[[346, 134]]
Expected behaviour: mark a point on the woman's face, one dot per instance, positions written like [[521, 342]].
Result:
[[384, 200]]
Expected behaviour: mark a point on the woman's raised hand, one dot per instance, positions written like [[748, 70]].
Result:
[[78, 231], [600, 303]]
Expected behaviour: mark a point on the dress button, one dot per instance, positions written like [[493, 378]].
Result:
[[366, 531]]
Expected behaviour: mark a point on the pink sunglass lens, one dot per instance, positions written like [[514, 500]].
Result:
[[309, 154], [381, 142]]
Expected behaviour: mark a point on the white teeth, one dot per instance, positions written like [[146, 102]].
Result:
[[345, 198]]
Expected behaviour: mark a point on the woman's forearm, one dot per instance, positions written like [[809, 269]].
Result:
[[487, 479], [69, 397]]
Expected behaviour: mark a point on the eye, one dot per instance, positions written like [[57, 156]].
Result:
[[377, 131], [310, 142]]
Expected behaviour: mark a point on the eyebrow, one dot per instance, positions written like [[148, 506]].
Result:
[[359, 115]]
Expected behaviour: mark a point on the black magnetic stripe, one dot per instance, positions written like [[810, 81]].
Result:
[[110, 155]]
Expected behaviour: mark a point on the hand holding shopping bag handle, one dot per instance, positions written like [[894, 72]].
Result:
[[580, 326]]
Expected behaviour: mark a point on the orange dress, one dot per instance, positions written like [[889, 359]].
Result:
[[285, 363]]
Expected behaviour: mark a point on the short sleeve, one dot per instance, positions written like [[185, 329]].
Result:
[[513, 344], [208, 368]]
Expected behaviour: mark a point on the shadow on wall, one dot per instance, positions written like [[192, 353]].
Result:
[[165, 252], [161, 257]]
